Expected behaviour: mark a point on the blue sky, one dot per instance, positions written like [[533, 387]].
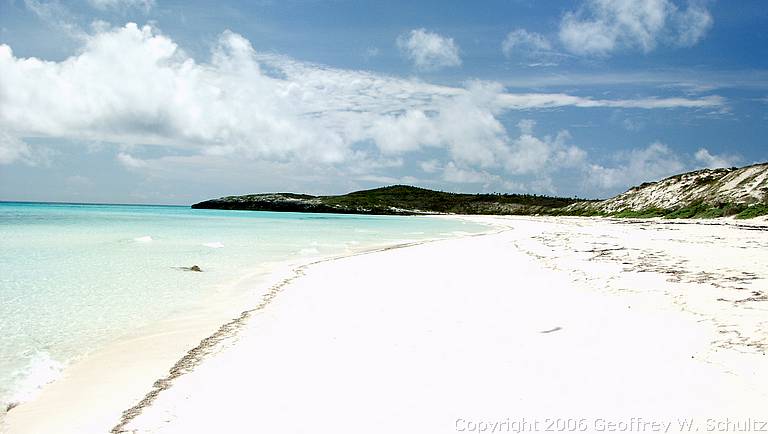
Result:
[[142, 101]]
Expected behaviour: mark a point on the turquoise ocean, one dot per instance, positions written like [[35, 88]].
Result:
[[74, 278]]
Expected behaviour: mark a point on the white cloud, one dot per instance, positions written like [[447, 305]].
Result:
[[13, 149], [405, 132], [452, 173], [705, 159], [429, 50], [521, 101], [388, 179], [601, 27], [654, 162], [692, 25], [429, 166], [689, 80], [56, 15], [130, 162], [132, 86], [525, 45], [529, 154], [651, 163], [455, 174], [526, 126], [145, 5]]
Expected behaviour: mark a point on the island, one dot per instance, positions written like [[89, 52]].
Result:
[[707, 193]]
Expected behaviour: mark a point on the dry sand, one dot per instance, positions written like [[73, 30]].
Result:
[[585, 322]]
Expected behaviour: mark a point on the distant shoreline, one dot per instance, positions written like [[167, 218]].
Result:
[[707, 193]]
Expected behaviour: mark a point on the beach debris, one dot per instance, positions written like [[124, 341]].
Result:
[[192, 268], [551, 330], [11, 406]]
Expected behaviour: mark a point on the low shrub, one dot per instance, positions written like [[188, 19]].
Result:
[[753, 211]]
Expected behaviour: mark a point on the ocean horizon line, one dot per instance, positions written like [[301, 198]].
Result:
[[37, 202]]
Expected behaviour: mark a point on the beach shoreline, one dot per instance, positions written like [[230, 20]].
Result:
[[95, 389], [514, 234]]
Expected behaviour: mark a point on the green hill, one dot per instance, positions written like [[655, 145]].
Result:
[[706, 193], [393, 200]]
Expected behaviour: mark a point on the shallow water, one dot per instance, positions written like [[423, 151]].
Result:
[[74, 278]]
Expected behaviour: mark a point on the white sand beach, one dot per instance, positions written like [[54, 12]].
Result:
[[576, 322]]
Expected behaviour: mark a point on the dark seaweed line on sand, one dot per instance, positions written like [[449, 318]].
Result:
[[196, 355]]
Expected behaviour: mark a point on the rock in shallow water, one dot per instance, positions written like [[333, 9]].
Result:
[[192, 268]]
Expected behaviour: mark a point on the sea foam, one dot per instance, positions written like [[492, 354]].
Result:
[[41, 370]]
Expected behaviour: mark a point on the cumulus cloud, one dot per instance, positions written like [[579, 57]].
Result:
[[651, 163], [705, 159], [405, 132], [457, 174], [529, 154], [132, 87], [601, 27], [429, 50], [526, 154], [656, 161]]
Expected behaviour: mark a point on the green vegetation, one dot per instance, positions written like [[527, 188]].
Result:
[[396, 199], [752, 211], [405, 200], [733, 209], [696, 210], [421, 199]]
